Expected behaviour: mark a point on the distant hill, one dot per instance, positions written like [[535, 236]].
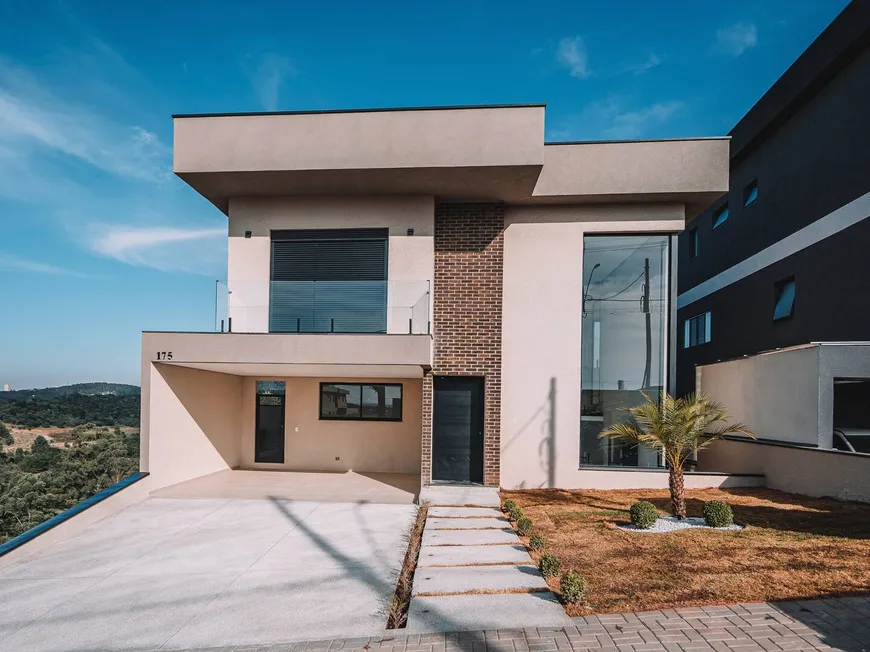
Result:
[[87, 389], [103, 404]]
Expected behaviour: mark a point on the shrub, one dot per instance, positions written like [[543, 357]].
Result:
[[549, 565], [524, 525], [573, 587], [509, 505], [718, 514], [536, 542], [516, 513], [644, 514]]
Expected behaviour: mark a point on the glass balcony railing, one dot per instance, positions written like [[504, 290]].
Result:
[[323, 307]]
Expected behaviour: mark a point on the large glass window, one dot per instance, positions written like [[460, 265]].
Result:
[[624, 335], [696, 330], [376, 402]]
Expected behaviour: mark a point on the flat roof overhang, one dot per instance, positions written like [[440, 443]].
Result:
[[293, 354], [459, 153]]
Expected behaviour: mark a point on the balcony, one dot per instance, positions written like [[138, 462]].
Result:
[[350, 307]]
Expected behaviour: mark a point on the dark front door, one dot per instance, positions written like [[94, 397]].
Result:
[[269, 442], [457, 429]]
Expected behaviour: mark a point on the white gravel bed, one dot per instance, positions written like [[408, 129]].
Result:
[[672, 524]]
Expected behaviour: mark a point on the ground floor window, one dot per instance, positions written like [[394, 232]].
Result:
[[360, 401], [624, 339]]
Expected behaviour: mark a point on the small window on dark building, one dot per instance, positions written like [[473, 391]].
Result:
[[783, 307], [750, 193], [720, 216], [693, 244], [696, 330]]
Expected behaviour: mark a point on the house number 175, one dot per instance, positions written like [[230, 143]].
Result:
[[164, 355]]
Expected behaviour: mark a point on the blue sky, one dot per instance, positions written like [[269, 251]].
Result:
[[99, 241]]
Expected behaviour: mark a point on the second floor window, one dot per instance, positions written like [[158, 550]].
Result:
[[720, 216], [696, 330], [750, 193], [329, 280], [783, 306], [693, 244]]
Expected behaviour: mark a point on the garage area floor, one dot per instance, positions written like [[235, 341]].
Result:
[[182, 573]]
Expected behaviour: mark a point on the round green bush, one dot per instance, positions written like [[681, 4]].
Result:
[[509, 505], [536, 542], [718, 514], [516, 513], [524, 525], [644, 514], [573, 587], [549, 565]]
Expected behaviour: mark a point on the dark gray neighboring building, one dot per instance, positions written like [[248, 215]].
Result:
[[784, 258]]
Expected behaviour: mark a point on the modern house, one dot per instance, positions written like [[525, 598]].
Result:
[[779, 263], [431, 292]]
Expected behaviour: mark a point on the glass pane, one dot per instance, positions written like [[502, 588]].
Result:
[[784, 301], [751, 194], [340, 401], [721, 217], [382, 401], [624, 331], [271, 387]]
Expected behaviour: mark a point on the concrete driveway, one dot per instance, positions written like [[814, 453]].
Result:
[[181, 573]]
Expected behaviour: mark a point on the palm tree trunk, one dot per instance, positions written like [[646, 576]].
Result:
[[678, 491]]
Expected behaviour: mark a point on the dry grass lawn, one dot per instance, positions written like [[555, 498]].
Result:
[[793, 547]]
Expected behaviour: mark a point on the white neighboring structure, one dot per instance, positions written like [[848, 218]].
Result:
[[7, 387]]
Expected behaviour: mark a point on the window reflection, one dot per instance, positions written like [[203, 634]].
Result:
[[625, 312]]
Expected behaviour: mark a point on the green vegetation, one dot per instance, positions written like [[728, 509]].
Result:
[[537, 542], [679, 428], [718, 513], [573, 587], [509, 505], [91, 389], [516, 513], [5, 435], [71, 410], [643, 514], [524, 525], [39, 483], [549, 565]]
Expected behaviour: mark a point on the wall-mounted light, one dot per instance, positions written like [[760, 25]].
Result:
[[410, 231], [247, 234]]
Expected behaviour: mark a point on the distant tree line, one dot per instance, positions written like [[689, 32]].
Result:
[[70, 410], [38, 483], [118, 389]]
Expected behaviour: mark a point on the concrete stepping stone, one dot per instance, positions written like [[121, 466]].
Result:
[[468, 555], [465, 579], [461, 496], [484, 612], [467, 523], [464, 512], [432, 537]]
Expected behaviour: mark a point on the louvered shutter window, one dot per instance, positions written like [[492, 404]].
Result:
[[329, 280]]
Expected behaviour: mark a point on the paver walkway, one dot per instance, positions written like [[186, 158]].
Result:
[[841, 624], [473, 572]]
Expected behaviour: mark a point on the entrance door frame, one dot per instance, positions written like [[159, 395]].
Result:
[[257, 447], [477, 384]]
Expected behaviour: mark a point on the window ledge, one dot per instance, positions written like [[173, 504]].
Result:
[[655, 469]]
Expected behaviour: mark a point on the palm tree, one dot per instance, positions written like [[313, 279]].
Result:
[[678, 427]]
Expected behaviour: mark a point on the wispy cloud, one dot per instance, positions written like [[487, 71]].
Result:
[[35, 122], [613, 119], [653, 61], [12, 263], [736, 39], [571, 53], [632, 124], [268, 76], [168, 249]]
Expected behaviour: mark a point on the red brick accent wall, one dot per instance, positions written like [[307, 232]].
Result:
[[469, 246]]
